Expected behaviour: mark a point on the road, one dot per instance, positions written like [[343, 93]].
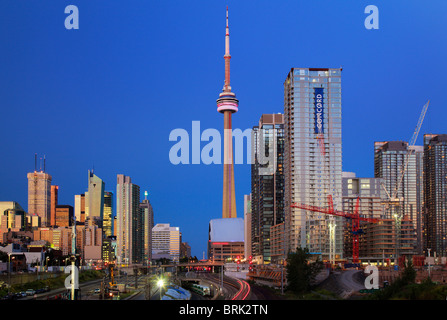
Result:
[[344, 283]]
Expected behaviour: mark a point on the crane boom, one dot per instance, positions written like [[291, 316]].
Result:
[[355, 221], [411, 144], [333, 212]]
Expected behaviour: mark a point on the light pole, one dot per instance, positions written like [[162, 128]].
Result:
[[9, 272], [429, 262], [160, 285]]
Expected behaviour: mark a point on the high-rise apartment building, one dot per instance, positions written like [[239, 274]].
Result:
[[389, 163], [39, 196], [435, 194], [267, 179], [313, 159], [147, 216], [166, 242], [371, 196], [129, 244]]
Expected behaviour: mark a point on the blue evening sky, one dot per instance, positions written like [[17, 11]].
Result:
[[108, 95]]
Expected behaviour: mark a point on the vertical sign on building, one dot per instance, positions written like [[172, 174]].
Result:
[[319, 108]]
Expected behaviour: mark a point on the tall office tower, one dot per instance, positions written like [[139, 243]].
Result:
[[79, 207], [147, 217], [313, 159], [95, 198], [54, 196], [107, 222], [228, 104], [267, 179], [435, 193], [166, 242], [389, 162], [39, 196], [127, 214], [247, 225], [371, 195]]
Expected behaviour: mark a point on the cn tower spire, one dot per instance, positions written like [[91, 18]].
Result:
[[228, 104], [227, 57]]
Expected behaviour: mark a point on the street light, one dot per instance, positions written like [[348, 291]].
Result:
[[160, 284]]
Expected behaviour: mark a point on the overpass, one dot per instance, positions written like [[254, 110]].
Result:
[[210, 265]]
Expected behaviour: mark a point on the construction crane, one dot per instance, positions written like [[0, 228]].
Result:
[[393, 200], [356, 218]]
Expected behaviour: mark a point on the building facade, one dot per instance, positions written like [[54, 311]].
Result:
[[166, 242], [128, 216], [389, 163], [313, 159], [370, 193], [267, 179], [54, 199], [107, 221], [63, 215], [226, 240], [435, 194], [247, 225], [39, 196], [79, 207], [95, 198], [147, 216]]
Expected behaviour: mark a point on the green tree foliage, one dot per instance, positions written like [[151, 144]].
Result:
[[300, 271], [404, 287]]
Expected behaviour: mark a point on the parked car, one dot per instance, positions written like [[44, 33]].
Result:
[[30, 292]]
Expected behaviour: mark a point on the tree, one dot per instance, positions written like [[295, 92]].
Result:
[[409, 273], [301, 272]]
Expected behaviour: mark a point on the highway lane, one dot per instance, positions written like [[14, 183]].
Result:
[[233, 288]]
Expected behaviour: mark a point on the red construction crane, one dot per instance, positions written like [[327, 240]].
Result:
[[355, 221]]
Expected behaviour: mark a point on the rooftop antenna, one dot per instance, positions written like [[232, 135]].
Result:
[[43, 163], [35, 162]]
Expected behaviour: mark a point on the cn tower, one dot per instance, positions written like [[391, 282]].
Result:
[[227, 104]]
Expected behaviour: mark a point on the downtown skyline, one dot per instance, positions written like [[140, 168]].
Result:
[[108, 95]]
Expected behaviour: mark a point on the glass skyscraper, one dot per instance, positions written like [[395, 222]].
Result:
[[128, 248], [147, 220], [313, 159], [267, 179], [435, 193], [107, 221]]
